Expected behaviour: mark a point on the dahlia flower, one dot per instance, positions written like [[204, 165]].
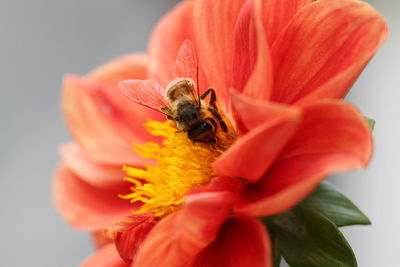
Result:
[[279, 70]]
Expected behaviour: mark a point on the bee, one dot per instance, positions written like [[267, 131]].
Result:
[[181, 101]]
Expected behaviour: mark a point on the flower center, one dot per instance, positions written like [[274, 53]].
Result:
[[180, 166]]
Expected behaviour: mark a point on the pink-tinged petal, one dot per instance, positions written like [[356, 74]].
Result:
[[179, 237], [260, 82], [130, 232], [241, 242], [166, 40], [276, 14], [99, 175], [332, 137], [214, 26], [99, 126], [85, 206], [252, 154], [105, 257], [133, 66], [325, 39]]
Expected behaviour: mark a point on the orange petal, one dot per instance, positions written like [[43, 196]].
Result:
[[332, 137], [269, 17], [99, 175], [251, 155], [100, 239], [105, 257], [276, 14], [130, 232], [133, 66], [85, 206], [259, 84], [166, 40], [108, 76], [214, 26], [250, 113], [325, 39], [245, 48], [220, 184], [98, 124], [241, 242], [332, 126], [178, 238]]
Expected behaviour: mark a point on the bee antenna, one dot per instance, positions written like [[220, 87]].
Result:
[[197, 79]]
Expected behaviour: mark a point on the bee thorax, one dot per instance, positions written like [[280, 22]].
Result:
[[179, 88], [187, 114]]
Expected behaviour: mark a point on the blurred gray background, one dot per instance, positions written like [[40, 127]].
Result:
[[43, 39]]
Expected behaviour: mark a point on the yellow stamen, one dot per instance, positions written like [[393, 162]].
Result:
[[180, 167]]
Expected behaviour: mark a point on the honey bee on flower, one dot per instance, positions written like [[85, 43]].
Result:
[[181, 101], [279, 69]]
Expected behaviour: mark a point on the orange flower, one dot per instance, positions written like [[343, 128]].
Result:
[[277, 67]]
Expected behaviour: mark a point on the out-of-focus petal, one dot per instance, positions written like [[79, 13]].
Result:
[[85, 206], [100, 239], [251, 155], [99, 126], [332, 137], [214, 26], [325, 39], [276, 14], [166, 40], [105, 257], [133, 66], [130, 232], [97, 174], [241, 242], [178, 238]]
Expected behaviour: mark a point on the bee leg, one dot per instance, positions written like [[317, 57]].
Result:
[[213, 98], [219, 118], [167, 111], [212, 144]]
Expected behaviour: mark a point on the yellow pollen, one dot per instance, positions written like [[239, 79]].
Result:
[[180, 166]]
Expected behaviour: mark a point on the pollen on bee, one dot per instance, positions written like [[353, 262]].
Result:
[[179, 167]]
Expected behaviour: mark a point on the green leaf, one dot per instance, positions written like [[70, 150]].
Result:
[[277, 257], [307, 239], [371, 123], [331, 203]]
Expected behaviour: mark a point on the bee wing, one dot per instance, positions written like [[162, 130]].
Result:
[[146, 93], [186, 66]]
